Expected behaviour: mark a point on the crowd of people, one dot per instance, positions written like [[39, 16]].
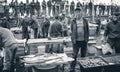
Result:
[[52, 8]]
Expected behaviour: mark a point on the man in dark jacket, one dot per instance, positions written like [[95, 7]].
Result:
[[34, 25], [27, 7], [21, 5], [38, 7], [8, 42], [16, 7], [25, 24], [90, 8], [45, 27], [44, 7], [32, 8], [62, 4], [55, 30], [72, 7], [49, 4], [112, 33], [79, 36]]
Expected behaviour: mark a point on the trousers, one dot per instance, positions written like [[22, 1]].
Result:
[[76, 47]]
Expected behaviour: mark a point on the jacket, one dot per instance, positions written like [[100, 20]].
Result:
[[74, 30]]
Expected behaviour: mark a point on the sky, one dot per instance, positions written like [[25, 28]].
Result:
[[95, 1]]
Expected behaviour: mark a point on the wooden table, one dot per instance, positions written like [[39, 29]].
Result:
[[32, 44]]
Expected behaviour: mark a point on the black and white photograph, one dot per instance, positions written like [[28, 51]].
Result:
[[59, 35]]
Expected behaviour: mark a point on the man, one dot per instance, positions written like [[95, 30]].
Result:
[[8, 42], [16, 7], [90, 8], [79, 36], [98, 22], [65, 25], [38, 8], [112, 33], [57, 9], [25, 24], [49, 4], [95, 9], [32, 8], [67, 7], [44, 7], [27, 7], [62, 4], [103, 9], [108, 9], [72, 7], [55, 30], [34, 25], [45, 27], [21, 8], [11, 4]]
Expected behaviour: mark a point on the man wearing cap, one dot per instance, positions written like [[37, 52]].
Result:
[[79, 36], [112, 33]]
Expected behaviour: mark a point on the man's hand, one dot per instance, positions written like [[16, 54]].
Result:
[[49, 38]]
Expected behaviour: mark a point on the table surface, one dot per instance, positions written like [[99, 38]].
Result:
[[53, 40], [53, 59]]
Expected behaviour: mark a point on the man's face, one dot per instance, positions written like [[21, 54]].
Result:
[[78, 14]]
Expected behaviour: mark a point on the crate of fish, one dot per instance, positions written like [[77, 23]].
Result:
[[91, 62]]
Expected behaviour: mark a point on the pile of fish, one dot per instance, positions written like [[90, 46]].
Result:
[[87, 63]]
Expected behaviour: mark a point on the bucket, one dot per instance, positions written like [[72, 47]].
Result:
[[41, 49], [51, 68]]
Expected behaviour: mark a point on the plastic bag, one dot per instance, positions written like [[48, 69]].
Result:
[[106, 49]]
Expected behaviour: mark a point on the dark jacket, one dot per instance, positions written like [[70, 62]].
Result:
[[55, 29], [74, 30], [112, 30]]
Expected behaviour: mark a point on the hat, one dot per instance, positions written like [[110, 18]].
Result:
[[77, 9]]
